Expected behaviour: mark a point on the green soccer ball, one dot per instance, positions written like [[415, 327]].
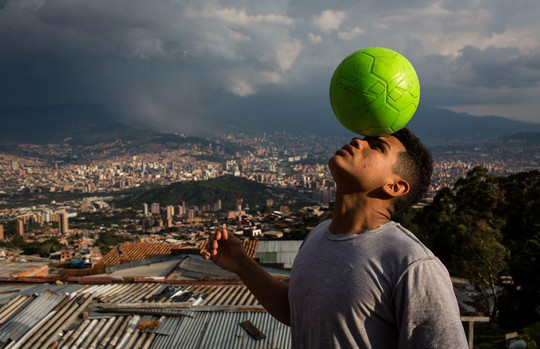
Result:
[[374, 91]]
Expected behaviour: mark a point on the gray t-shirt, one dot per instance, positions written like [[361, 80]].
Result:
[[379, 289]]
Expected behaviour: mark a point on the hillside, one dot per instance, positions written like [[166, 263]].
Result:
[[440, 126], [226, 188]]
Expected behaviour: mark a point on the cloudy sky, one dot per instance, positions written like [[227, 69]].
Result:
[[195, 65]]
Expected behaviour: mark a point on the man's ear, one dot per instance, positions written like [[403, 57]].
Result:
[[397, 188]]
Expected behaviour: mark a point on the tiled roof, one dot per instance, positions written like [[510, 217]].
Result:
[[133, 251], [250, 246]]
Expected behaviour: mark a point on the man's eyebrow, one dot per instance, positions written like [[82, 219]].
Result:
[[379, 139]]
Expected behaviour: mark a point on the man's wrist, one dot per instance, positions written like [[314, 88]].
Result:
[[244, 266]]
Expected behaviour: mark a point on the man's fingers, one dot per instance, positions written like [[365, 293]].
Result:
[[213, 244]]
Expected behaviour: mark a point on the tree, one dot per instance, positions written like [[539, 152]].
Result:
[[520, 207], [461, 228], [108, 239]]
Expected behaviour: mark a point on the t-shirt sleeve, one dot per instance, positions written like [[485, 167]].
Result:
[[427, 313]]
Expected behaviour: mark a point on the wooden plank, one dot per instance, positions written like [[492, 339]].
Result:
[[252, 330]]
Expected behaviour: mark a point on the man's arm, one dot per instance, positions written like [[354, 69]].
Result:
[[226, 250], [427, 310]]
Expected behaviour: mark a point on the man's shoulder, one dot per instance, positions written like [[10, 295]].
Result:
[[406, 243], [317, 231]]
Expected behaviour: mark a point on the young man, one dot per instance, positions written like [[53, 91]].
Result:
[[361, 280]]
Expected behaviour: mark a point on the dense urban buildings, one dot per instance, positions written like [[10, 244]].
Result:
[[94, 174]]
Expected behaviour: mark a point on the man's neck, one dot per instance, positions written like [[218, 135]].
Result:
[[356, 213]]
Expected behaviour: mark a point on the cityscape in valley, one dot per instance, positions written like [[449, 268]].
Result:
[[52, 190]]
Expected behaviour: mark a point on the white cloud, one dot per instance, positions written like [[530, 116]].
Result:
[[272, 77], [241, 88], [315, 39], [238, 36], [353, 34], [329, 20], [238, 16], [287, 53]]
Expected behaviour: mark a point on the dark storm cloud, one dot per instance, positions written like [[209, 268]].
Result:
[[198, 65], [490, 76], [496, 68]]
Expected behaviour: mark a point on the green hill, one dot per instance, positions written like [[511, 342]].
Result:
[[226, 188]]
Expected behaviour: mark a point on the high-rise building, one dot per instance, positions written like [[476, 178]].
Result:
[[155, 208], [170, 211], [181, 210], [217, 207], [63, 223], [47, 216], [170, 214], [145, 209], [19, 226], [328, 195]]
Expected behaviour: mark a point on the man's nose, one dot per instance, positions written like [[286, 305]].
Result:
[[356, 142]]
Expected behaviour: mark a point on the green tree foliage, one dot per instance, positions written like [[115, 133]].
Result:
[[480, 255], [44, 248], [520, 207], [108, 240], [464, 228], [484, 228]]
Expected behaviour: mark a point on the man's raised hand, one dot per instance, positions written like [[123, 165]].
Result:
[[226, 250]]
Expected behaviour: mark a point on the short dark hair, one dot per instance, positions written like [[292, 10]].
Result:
[[415, 165]]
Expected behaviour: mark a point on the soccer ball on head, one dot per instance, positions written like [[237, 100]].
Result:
[[374, 91]]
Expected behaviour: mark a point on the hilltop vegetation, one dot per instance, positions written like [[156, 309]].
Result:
[[227, 188]]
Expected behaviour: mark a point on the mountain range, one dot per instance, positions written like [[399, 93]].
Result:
[[94, 123]]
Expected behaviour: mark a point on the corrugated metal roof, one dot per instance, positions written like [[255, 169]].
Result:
[[13, 306], [60, 289], [32, 314], [10, 269], [279, 245], [195, 267], [279, 251], [222, 330], [47, 333], [7, 292], [106, 327], [467, 305]]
